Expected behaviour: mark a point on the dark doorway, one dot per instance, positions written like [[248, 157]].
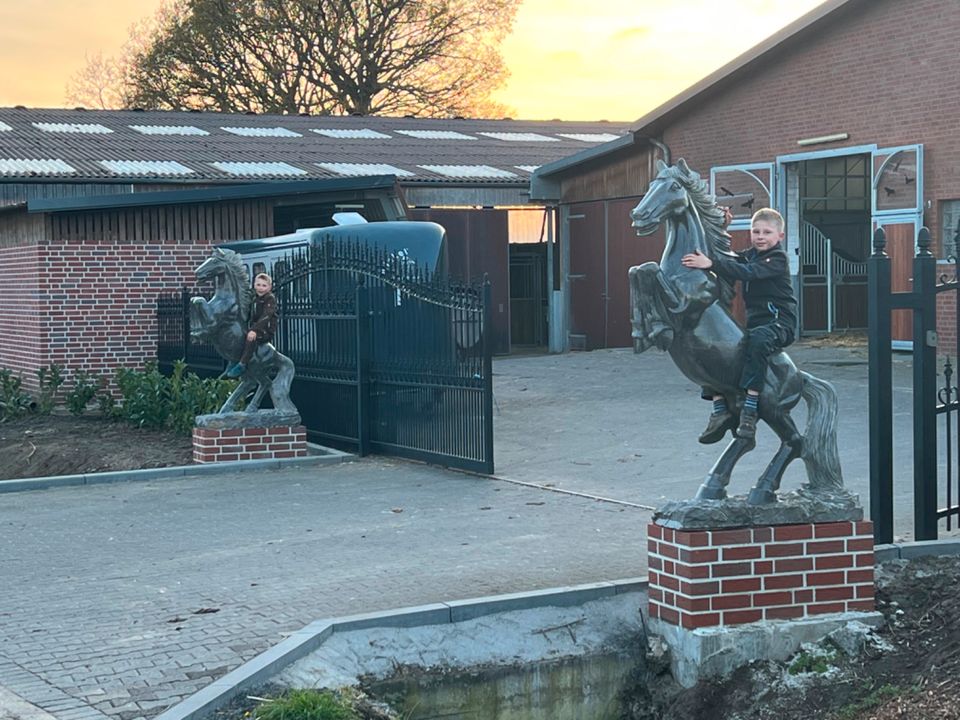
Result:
[[834, 242], [528, 295]]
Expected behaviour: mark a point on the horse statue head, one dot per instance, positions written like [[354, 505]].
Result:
[[231, 301], [676, 193]]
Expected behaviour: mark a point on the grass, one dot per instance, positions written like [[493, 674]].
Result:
[[306, 705], [810, 663]]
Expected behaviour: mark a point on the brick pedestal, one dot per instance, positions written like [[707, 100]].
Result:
[[251, 443], [716, 578]]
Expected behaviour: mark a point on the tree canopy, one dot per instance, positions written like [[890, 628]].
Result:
[[372, 57]]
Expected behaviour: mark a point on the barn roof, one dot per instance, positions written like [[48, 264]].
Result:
[[192, 147]]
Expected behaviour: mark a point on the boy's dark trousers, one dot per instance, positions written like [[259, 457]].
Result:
[[249, 348], [762, 342]]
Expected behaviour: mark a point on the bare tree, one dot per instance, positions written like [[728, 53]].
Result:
[[104, 82], [387, 57]]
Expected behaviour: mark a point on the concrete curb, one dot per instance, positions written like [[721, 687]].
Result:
[[329, 457], [261, 668], [916, 549]]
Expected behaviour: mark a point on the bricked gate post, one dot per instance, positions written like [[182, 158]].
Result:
[[731, 583]]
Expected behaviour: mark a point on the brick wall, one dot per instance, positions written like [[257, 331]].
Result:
[[22, 341], [708, 578], [256, 443], [100, 299]]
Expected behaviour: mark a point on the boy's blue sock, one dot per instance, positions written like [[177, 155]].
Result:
[[751, 403], [719, 406]]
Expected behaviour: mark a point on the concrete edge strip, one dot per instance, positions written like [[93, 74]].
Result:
[[304, 641], [330, 457]]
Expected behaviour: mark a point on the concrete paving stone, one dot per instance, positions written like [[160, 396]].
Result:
[[609, 424]]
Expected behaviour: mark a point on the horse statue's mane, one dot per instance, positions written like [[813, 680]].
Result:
[[711, 217], [234, 265], [710, 214]]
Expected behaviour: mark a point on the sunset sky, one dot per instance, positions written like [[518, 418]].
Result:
[[569, 59]]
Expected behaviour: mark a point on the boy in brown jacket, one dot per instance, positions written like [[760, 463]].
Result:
[[263, 322]]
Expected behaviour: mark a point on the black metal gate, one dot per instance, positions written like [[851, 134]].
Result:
[[932, 461], [390, 358]]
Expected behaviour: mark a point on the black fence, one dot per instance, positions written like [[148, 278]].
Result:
[[390, 358], [936, 410]]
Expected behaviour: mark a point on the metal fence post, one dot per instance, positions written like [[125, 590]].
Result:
[[925, 390], [487, 377], [880, 390], [363, 369]]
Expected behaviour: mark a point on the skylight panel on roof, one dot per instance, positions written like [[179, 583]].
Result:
[[22, 166], [527, 168], [262, 131], [590, 137], [436, 134], [146, 167], [85, 128], [4, 127], [258, 168], [474, 171], [519, 137], [168, 130], [358, 134], [364, 169]]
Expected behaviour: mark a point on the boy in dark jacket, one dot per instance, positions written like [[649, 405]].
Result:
[[263, 322], [771, 315]]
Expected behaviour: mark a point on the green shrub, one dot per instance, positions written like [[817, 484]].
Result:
[[108, 406], [150, 400], [50, 379], [145, 397], [85, 386], [14, 400], [192, 395], [306, 705]]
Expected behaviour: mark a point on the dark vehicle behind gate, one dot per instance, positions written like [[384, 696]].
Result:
[[391, 354]]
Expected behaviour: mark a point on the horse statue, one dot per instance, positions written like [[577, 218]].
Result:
[[686, 312], [222, 321]]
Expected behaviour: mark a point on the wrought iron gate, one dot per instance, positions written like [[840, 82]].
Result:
[[930, 457], [390, 358]]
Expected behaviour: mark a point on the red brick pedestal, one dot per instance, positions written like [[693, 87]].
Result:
[[708, 578], [722, 598], [251, 443]]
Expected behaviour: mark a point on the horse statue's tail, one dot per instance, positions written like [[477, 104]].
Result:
[[820, 452]]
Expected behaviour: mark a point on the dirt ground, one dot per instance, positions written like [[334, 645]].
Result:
[[908, 670], [59, 444]]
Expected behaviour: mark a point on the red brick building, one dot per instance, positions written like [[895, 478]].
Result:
[[102, 210], [844, 121]]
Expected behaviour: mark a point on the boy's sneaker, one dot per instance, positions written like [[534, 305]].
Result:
[[717, 427], [748, 424], [235, 370]]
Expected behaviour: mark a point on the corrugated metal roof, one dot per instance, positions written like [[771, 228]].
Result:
[[32, 167], [284, 146]]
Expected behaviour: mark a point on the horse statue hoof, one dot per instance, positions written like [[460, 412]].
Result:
[[711, 490], [761, 496]]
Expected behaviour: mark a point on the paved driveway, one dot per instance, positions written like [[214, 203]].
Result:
[[117, 601]]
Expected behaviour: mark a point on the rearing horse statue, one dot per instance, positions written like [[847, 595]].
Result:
[[222, 321], [686, 312]]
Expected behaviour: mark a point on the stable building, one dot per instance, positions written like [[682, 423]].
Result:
[[843, 121], [102, 210]]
